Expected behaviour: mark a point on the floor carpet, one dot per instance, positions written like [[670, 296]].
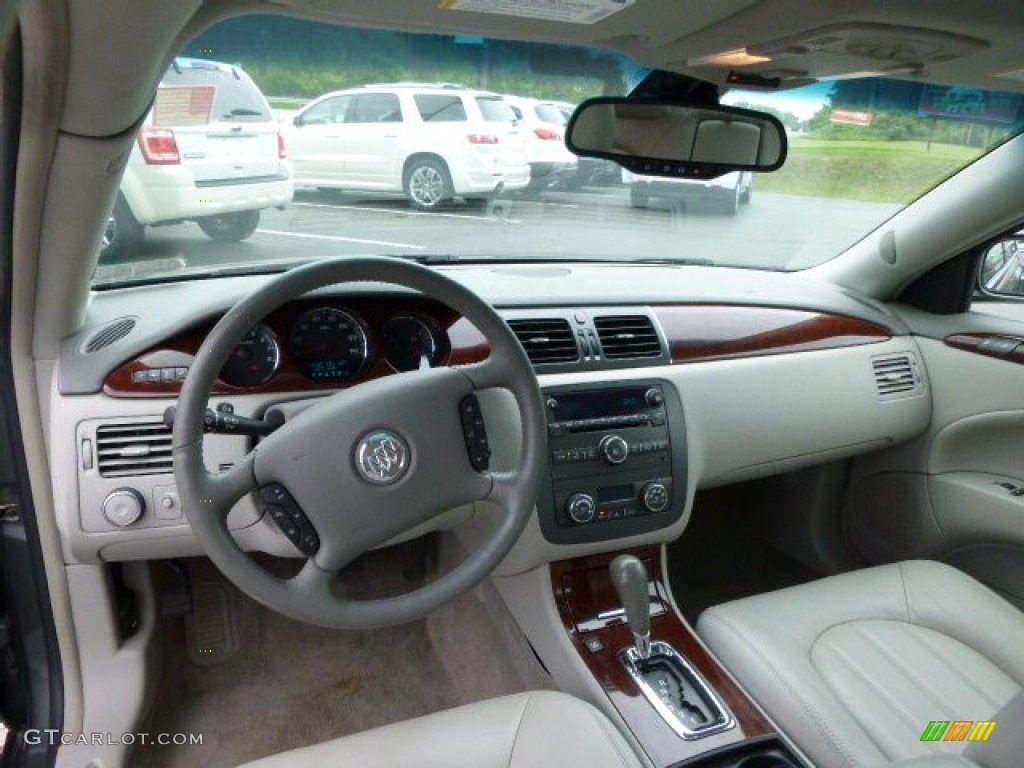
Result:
[[290, 684], [721, 556]]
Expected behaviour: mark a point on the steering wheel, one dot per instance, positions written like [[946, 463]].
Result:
[[366, 463]]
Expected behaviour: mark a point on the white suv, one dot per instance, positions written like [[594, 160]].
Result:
[[430, 142], [209, 151], [543, 124]]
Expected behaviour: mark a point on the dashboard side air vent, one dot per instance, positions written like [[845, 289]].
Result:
[[129, 450], [627, 337], [897, 376], [546, 340], [108, 334]]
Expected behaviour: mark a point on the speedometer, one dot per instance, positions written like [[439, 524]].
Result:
[[329, 344]]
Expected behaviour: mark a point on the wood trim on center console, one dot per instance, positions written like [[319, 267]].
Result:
[[583, 590]]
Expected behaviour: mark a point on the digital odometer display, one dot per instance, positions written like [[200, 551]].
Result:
[[329, 344]]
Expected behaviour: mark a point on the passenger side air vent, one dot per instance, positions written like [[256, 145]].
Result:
[[897, 376], [109, 334], [548, 340], [128, 450], [627, 336]]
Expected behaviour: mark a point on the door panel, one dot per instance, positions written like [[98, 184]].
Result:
[[956, 493], [316, 142], [371, 141]]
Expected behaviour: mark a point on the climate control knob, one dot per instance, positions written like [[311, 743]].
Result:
[[581, 507], [613, 448], [654, 497], [123, 506]]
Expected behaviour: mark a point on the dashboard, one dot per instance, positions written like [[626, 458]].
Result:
[[743, 376]]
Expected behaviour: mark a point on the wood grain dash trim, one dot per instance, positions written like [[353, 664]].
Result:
[[702, 332]]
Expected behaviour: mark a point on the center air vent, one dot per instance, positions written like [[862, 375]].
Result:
[[627, 336], [548, 340], [126, 450], [896, 375]]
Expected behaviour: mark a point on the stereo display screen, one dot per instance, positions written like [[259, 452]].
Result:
[[596, 404]]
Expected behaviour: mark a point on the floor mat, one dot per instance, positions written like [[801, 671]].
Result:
[[722, 557], [290, 684]]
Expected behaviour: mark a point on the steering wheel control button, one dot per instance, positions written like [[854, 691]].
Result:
[[475, 433], [382, 457], [655, 497], [289, 517], [123, 506], [581, 507], [614, 449]]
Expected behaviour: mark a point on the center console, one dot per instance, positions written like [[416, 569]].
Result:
[[617, 462], [679, 703]]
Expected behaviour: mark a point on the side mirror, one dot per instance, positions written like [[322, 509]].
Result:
[[656, 137], [1002, 268], [297, 121]]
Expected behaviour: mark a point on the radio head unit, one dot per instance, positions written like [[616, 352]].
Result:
[[617, 464]]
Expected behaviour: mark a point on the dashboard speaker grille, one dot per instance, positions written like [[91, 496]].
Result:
[[548, 340], [109, 334], [896, 376], [627, 336], [128, 450]]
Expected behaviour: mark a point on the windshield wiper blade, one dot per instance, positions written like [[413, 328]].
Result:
[[699, 261], [428, 258], [242, 112]]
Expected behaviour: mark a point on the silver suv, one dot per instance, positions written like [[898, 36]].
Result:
[[429, 142], [209, 151]]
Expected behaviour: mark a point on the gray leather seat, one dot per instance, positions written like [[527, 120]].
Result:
[[854, 667], [528, 730]]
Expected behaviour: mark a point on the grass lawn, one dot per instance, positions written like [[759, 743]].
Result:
[[881, 171]]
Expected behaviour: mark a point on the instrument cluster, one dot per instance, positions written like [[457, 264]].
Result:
[[333, 345]]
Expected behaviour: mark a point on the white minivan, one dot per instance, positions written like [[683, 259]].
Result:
[[209, 151], [431, 142]]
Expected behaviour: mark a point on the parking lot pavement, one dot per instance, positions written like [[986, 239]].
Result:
[[594, 223]]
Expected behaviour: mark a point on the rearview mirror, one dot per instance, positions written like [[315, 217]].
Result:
[[659, 138]]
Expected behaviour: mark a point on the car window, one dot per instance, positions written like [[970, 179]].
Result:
[[495, 109], [549, 114], [327, 112], [235, 97], [440, 108], [376, 108]]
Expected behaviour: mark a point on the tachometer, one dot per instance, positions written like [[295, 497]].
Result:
[[329, 344], [254, 359], [408, 339]]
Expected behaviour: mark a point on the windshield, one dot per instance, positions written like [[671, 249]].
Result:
[[451, 148]]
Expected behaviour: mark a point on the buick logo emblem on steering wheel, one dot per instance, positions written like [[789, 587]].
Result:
[[382, 457]]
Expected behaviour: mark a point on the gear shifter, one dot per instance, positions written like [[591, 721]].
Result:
[[630, 579]]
